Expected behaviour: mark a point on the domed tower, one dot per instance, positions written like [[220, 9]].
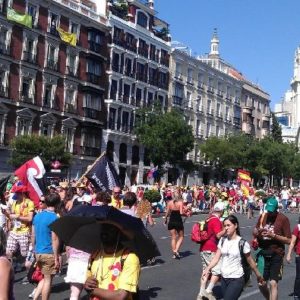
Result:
[[214, 45]]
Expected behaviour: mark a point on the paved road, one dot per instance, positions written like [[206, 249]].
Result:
[[176, 279]]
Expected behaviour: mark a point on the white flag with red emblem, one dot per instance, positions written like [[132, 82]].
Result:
[[32, 174]]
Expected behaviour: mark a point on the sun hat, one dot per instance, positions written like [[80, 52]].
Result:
[[219, 206], [272, 204]]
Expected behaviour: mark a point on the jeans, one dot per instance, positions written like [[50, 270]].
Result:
[[297, 279], [232, 287]]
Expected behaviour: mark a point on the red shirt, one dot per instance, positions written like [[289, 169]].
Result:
[[296, 233], [214, 226]]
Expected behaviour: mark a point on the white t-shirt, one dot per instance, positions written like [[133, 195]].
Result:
[[285, 195], [231, 266]]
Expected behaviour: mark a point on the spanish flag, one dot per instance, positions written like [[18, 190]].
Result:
[[244, 178], [67, 37]]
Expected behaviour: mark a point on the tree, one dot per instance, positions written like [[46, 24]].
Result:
[[167, 136], [27, 146], [276, 132]]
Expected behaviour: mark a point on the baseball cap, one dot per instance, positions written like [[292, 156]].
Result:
[[272, 204], [219, 206]]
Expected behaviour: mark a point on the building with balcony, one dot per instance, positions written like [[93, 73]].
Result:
[[52, 72], [211, 94], [138, 76], [209, 100]]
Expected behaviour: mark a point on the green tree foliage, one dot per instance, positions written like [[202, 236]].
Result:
[[276, 132], [166, 135], [152, 196], [265, 157], [27, 146]]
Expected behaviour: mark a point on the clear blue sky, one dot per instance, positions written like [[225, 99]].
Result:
[[258, 37]]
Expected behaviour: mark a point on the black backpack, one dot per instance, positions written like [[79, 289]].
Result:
[[245, 264]]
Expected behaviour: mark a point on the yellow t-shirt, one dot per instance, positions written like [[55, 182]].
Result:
[[108, 271], [116, 203], [22, 209]]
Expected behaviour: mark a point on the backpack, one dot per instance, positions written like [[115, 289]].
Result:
[[199, 232], [246, 267]]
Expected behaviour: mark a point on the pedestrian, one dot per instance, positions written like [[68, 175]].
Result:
[[114, 271], [232, 272], [295, 245], [20, 215], [102, 198], [272, 232], [208, 250], [175, 225], [285, 195], [46, 244], [143, 211], [116, 200], [6, 271], [129, 204]]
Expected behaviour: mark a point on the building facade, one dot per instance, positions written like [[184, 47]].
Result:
[[52, 72], [138, 76], [216, 100]]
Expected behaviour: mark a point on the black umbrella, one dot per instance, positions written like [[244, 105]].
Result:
[[81, 229]]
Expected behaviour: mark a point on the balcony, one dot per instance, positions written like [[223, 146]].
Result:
[[93, 78], [129, 73], [52, 64], [228, 98], [91, 113], [29, 57], [210, 89], [27, 97], [200, 86], [219, 115], [228, 119], [71, 71], [190, 81], [126, 128], [200, 108], [154, 57], [95, 47], [177, 100], [178, 75], [4, 49], [53, 30], [210, 112], [90, 151], [143, 51], [70, 108], [130, 46], [3, 91], [126, 99], [220, 93]]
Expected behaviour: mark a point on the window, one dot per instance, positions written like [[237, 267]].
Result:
[[32, 10], [113, 89], [95, 40], [24, 126], [29, 53], [69, 138], [178, 70], [138, 96], [217, 131], [199, 103], [47, 95], [112, 118], [150, 99], [92, 101], [198, 127], [178, 94], [140, 68], [190, 76], [52, 57], [46, 130], [128, 67], [26, 92], [218, 109], [94, 71], [189, 99], [142, 19], [209, 106], [90, 139], [70, 97], [116, 62], [72, 64], [227, 113], [4, 43], [74, 28], [3, 83], [200, 79], [258, 124], [125, 121], [126, 93], [54, 23], [208, 129]]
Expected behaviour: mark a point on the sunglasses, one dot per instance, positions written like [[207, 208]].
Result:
[[42, 201]]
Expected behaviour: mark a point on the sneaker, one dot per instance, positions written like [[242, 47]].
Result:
[[208, 296], [31, 295]]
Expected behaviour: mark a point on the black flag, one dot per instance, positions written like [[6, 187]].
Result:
[[3, 183], [103, 175]]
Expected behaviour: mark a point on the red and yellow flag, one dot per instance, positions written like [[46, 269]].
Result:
[[244, 178]]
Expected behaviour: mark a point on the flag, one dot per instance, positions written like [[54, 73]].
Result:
[[70, 38], [32, 175], [153, 172], [23, 19], [245, 179], [103, 175]]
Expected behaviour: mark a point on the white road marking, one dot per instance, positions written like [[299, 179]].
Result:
[[151, 267]]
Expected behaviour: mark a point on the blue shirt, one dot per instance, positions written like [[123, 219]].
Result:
[[43, 240]]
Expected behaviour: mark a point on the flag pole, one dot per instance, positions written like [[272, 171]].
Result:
[[90, 167]]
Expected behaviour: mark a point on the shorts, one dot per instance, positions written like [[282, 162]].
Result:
[[18, 240], [206, 258], [273, 267], [46, 263]]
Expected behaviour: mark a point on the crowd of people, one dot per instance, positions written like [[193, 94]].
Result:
[[112, 272]]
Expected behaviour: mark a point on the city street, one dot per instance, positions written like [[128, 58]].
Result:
[[173, 279]]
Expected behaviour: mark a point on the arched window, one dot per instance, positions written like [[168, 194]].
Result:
[[142, 19], [135, 155], [123, 153], [110, 150]]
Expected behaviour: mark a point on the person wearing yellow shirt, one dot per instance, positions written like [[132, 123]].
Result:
[[114, 271], [21, 216], [116, 200]]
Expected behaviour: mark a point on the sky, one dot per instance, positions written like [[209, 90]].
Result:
[[257, 37]]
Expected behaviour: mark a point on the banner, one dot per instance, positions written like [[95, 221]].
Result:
[[103, 174], [70, 38], [245, 179], [23, 19], [32, 175]]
